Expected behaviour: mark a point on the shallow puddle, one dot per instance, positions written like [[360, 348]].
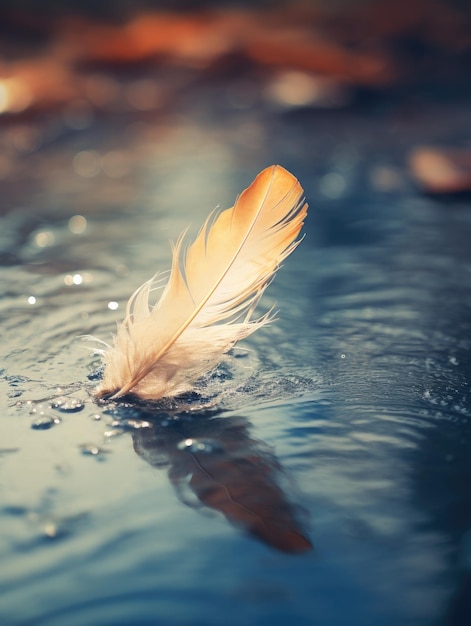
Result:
[[322, 473]]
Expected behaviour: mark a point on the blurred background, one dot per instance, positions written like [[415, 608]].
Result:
[[70, 70]]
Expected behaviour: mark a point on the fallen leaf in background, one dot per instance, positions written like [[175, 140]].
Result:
[[361, 44], [441, 170]]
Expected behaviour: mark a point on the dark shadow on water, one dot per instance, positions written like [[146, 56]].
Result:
[[214, 462]]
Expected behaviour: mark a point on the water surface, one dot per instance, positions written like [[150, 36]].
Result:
[[325, 477]]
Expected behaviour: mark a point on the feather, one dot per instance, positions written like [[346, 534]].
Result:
[[212, 290]]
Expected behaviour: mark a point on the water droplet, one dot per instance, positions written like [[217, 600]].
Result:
[[43, 423], [185, 444], [36, 409], [50, 529], [67, 404], [131, 424], [115, 432], [199, 445], [91, 449]]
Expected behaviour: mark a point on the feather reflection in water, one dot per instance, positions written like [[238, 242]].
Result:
[[227, 470]]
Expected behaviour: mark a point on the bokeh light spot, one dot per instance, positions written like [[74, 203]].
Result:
[[332, 185], [77, 224], [44, 239]]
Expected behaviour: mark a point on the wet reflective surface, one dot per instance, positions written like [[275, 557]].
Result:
[[322, 473]]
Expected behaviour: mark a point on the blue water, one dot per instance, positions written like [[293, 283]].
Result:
[[326, 480]]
